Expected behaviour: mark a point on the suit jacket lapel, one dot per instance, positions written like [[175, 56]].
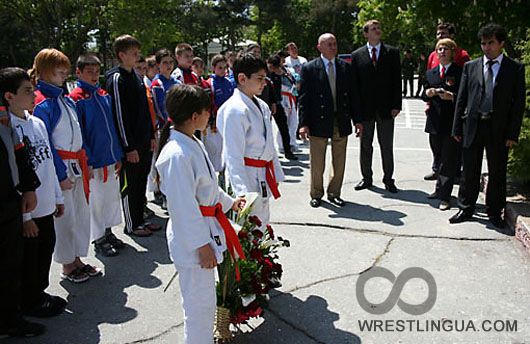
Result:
[[366, 56], [338, 74], [324, 75], [480, 72]]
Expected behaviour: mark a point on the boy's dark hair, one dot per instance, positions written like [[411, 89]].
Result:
[[124, 43], [493, 30], [248, 64], [218, 58], [88, 59], [197, 61], [151, 61], [10, 80], [182, 101], [289, 44], [252, 46], [408, 51], [160, 54], [275, 60], [182, 47], [450, 27]]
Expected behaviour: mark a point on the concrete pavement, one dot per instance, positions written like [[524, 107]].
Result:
[[482, 276]]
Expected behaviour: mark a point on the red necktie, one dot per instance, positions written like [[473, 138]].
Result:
[[442, 73], [374, 56]]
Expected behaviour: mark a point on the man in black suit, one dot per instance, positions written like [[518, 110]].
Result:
[[488, 115], [376, 74], [326, 113]]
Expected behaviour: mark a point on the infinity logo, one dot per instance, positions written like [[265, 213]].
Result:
[[399, 283]]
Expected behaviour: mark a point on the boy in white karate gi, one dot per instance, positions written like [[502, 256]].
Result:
[[244, 121], [195, 202]]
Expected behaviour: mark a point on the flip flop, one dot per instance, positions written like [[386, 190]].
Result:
[[152, 226]]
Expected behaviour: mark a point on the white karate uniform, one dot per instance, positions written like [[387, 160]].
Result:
[[105, 200], [188, 180], [213, 143], [73, 228], [247, 133]]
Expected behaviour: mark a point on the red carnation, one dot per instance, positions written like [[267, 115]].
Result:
[[242, 235], [255, 220], [270, 231], [257, 233]]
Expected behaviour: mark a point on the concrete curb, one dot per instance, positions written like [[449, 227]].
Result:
[[513, 217]]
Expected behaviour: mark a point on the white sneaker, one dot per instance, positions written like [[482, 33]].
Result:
[[444, 205]]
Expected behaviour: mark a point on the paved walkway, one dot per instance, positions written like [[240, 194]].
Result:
[[480, 275]]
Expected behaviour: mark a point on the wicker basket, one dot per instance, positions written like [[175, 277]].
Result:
[[222, 324]]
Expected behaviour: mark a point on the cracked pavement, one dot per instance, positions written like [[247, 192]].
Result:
[[480, 274]]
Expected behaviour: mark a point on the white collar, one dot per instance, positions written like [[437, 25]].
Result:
[[498, 59], [326, 61], [445, 66], [377, 46]]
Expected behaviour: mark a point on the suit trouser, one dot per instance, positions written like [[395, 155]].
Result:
[[317, 156], [410, 80], [36, 263], [133, 183], [11, 255], [385, 137], [197, 288], [421, 79], [281, 121], [449, 162], [436, 142], [497, 157]]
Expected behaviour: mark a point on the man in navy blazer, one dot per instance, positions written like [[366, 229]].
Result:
[[376, 74], [488, 116], [326, 110]]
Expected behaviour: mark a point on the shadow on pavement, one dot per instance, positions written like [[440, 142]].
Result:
[[364, 212], [311, 320], [103, 299], [411, 196]]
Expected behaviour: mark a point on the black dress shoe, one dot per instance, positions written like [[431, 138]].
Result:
[[461, 216], [363, 184], [315, 202], [431, 176], [433, 195], [498, 222], [337, 201], [391, 187]]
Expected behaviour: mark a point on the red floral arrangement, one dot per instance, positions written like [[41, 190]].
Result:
[[259, 272]]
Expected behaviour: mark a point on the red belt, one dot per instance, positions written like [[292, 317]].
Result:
[[292, 98], [83, 162], [270, 177], [232, 241]]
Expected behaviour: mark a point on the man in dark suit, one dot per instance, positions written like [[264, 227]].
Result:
[[376, 74], [488, 115], [326, 113]]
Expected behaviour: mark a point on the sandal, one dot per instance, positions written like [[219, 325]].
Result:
[[114, 241], [105, 248], [152, 226], [91, 271], [76, 276], [141, 232]]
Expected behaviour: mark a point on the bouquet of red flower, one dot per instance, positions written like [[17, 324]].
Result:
[[259, 272]]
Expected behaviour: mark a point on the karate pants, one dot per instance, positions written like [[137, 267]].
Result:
[[197, 287], [72, 230], [292, 123], [105, 209]]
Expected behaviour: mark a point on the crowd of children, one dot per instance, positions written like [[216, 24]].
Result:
[[92, 153]]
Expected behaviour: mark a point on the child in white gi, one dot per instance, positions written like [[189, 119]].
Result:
[[195, 238], [50, 68], [249, 154]]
